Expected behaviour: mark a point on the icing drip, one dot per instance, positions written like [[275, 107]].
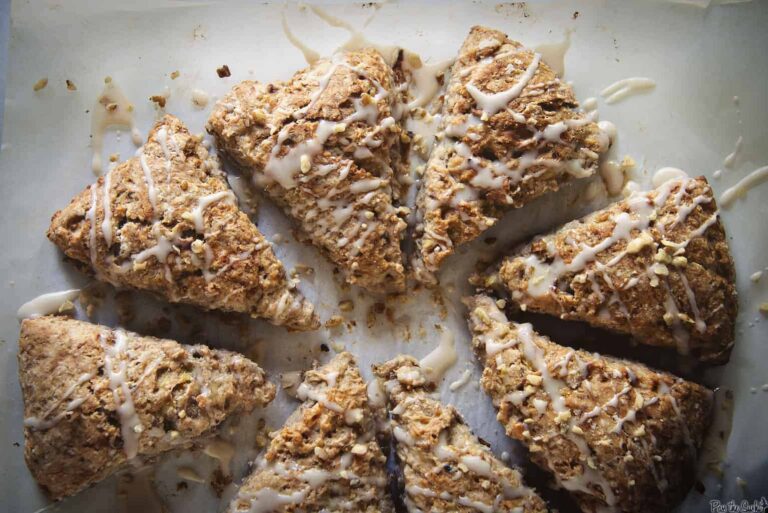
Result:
[[46, 421], [116, 368], [491, 103], [625, 88], [46, 304]]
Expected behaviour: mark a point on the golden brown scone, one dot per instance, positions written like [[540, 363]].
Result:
[[511, 133], [325, 458], [96, 398], [323, 146], [618, 435], [445, 467], [169, 224], [655, 265]]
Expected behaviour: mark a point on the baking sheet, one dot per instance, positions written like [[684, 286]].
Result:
[[700, 56]]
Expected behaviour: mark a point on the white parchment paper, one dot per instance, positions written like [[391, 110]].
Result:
[[700, 58]]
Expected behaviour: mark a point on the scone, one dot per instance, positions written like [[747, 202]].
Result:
[[617, 435], [325, 146], [325, 458], [166, 221], [511, 132], [445, 467], [655, 266], [96, 399]]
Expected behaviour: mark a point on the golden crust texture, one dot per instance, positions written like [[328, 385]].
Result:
[[326, 146], [511, 133], [445, 467], [325, 458], [166, 221], [618, 435], [655, 266], [95, 398]]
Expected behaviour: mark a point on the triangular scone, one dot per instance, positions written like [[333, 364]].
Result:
[[323, 146], [655, 265], [326, 457], [618, 435], [444, 466], [511, 132], [97, 398], [169, 224]]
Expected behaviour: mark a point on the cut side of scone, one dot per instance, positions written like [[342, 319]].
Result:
[[326, 147], [97, 398], [445, 468], [511, 132], [165, 221], [616, 434], [655, 266], [325, 458]]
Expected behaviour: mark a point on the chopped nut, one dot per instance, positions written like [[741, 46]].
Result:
[[114, 157], [577, 430], [223, 71], [680, 261], [640, 431], [346, 306], [660, 269], [563, 416], [359, 449], [306, 163], [533, 379], [334, 321], [669, 319], [662, 256], [40, 84], [175, 75], [159, 100], [339, 128], [70, 85], [638, 243], [628, 457]]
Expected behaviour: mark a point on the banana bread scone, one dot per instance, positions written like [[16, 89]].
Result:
[[511, 133], [166, 221], [97, 398], [325, 458], [618, 435], [655, 265], [445, 467], [323, 145]]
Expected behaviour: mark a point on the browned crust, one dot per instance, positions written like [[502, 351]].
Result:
[[246, 275], [338, 448], [648, 464], [180, 394], [454, 205], [640, 309], [250, 121], [433, 458]]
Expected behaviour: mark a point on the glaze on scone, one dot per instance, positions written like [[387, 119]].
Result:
[[511, 133], [444, 466], [326, 146], [325, 458], [97, 398], [166, 222], [616, 434], [655, 265]]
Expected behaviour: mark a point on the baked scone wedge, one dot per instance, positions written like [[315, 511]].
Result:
[[96, 399], [325, 458], [616, 434], [444, 466], [511, 133], [325, 146], [165, 221], [655, 266]]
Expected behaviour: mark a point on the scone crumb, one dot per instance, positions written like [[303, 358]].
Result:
[[40, 84]]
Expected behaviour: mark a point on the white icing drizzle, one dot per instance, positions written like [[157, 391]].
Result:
[[91, 216], [306, 391], [46, 304], [267, 500], [106, 223], [491, 103], [424, 84], [730, 159], [206, 201], [554, 53], [223, 451], [462, 381], [743, 186], [310, 55], [46, 421], [625, 88], [442, 358], [116, 368], [112, 109]]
